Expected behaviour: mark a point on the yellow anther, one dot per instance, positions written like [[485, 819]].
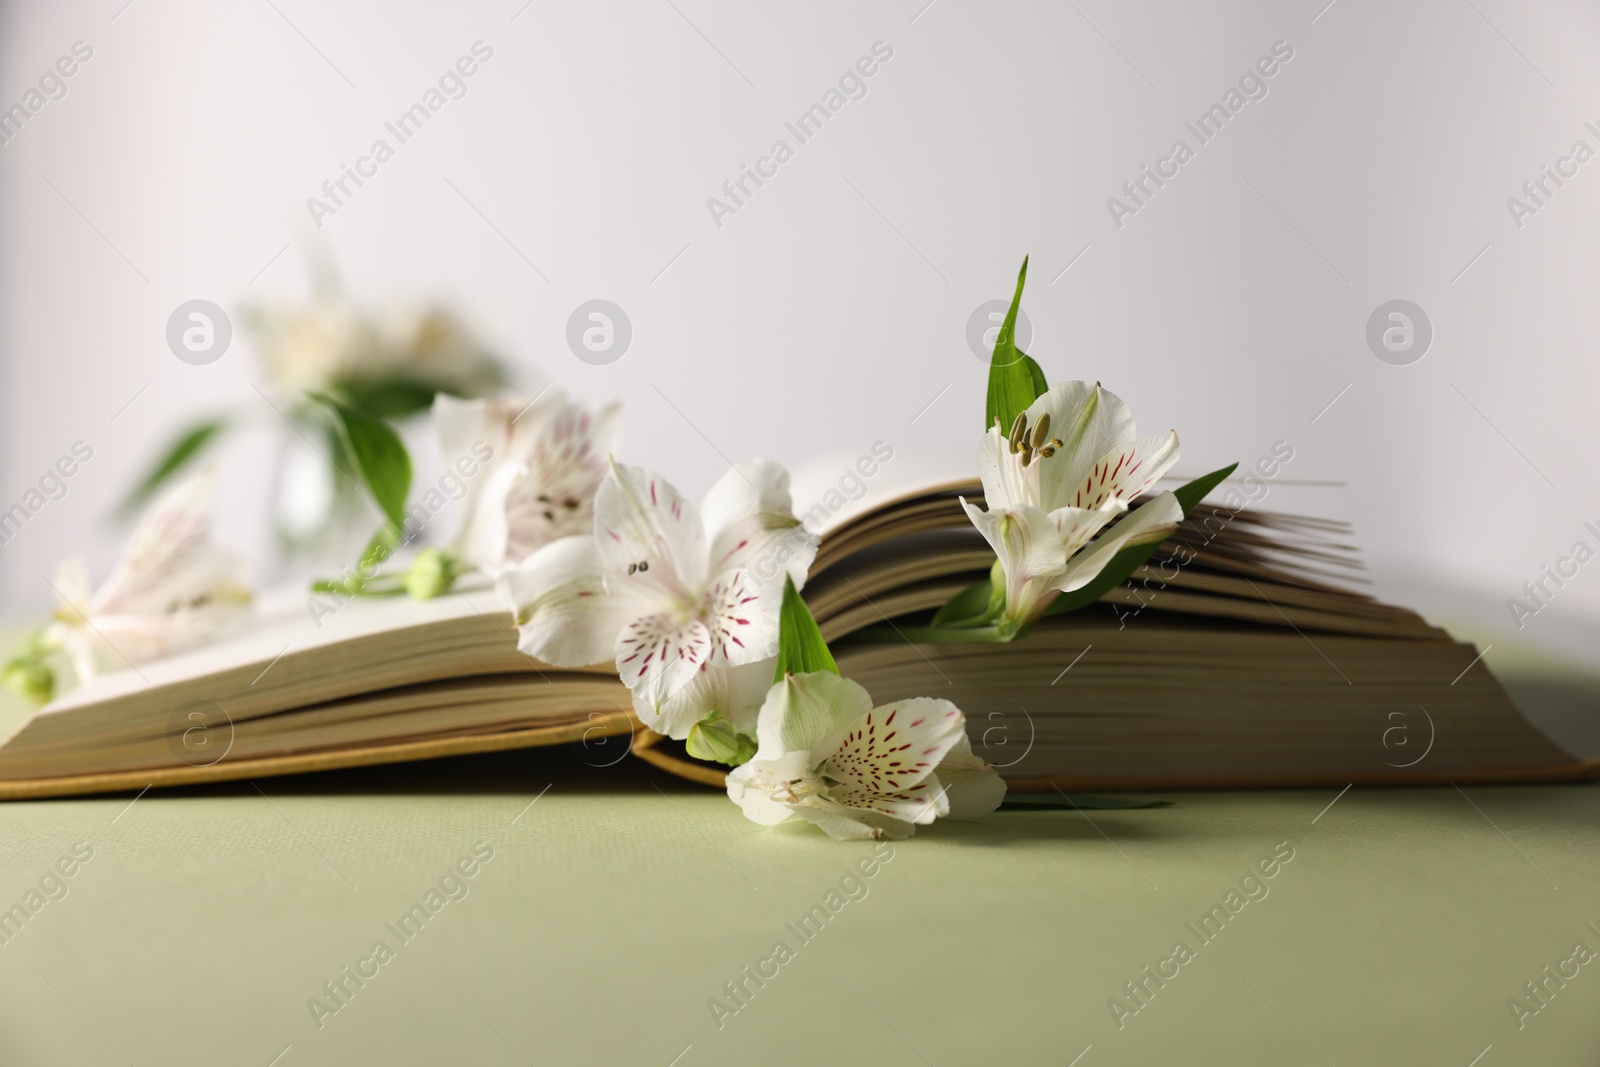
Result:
[[1019, 431], [1041, 431]]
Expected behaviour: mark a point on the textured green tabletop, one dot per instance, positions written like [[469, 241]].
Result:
[[204, 925]]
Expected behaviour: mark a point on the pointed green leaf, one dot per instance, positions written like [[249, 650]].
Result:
[[1036, 385], [800, 644], [389, 398], [970, 607], [1015, 380], [379, 455], [1122, 565], [977, 605], [379, 549], [1191, 493], [179, 454], [1133, 557]]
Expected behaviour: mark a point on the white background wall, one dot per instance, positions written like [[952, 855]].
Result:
[[830, 310]]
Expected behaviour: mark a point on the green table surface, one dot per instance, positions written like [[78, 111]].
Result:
[[615, 908]]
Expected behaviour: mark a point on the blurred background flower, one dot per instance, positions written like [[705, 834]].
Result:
[[387, 361]]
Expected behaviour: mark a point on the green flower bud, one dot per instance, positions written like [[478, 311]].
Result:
[[30, 679], [431, 573], [997, 591], [713, 738]]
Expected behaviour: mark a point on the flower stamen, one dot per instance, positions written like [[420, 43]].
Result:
[[1019, 432], [1028, 444]]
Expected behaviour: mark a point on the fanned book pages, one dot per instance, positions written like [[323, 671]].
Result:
[[1239, 655]]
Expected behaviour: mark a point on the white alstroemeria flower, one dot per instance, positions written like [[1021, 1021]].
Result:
[[546, 458], [669, 591], [173, 589], [311, 347], [332, 343], [1066, 471], [430, 343], [827, 755]]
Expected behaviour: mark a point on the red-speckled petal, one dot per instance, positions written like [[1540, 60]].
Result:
[[741, 617], [893, 748], [1124, 473], [659, 654]]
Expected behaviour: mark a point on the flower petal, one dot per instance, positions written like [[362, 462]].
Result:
[[1077, 526], [809, 713], [1030, 551], [190, 603], [919, 804], [564, 462], [1151, 522], [972, 787], [749, 517], [483, 536], [852, 824], [894, 748], [544, 458], [175, 527], [462, 423], [993, 470], [737, 692], [72, 583], [1024, 539], [79, 649], [1089, 421], [741, 616], [660, 653], [1127, 471], [642, 522], [763, 788], [565, 615]]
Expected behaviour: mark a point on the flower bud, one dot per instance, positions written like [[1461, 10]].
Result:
[[713, 738], [431, 573], [30, 679]]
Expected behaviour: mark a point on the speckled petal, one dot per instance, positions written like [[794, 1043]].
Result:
[[893, 748]]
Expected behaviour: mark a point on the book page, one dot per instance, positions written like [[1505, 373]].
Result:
[[283, 622]]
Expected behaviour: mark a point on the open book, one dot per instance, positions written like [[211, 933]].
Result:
[[1239, 655]]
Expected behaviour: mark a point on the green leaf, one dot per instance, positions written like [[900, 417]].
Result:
[[179, 454], [379, 549], [1130, 559], [388, 398], [379, 456], [1122, 565], [1038, 385], [1193, 492], [365, 579], [801, 648], [1015, 380], [1076, 802], [966, 608], [976, 605]]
